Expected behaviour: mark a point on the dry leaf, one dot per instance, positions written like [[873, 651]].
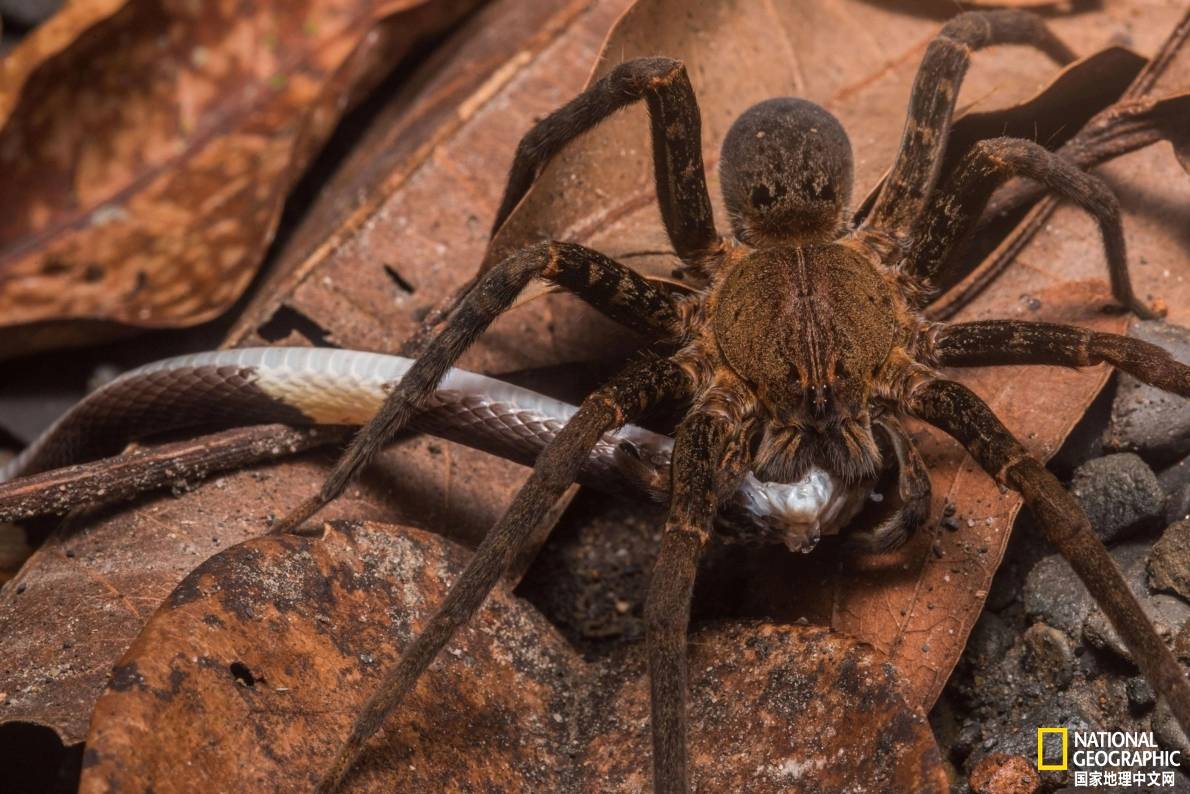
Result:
[[423, 226], [47, 41], [254, 668], [148, 152], [93, 584], [84, 595]]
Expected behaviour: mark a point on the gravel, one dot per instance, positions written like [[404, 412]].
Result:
[[990, 639], [1140, 694], [1054, 595], [1145, 419], [1168, 613], [1167, 731], [1120, 494], [1169, 561], [1175, 481], [1049, 655], [1043, 654]]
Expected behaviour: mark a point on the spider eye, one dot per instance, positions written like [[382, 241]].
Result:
[[761, 196]]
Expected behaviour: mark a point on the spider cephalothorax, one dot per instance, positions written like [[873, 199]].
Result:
[[801, 346], [814, 374]]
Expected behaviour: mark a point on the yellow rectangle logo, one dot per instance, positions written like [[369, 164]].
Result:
[[1041, 764]]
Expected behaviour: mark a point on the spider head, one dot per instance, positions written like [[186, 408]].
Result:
[[786, 170]]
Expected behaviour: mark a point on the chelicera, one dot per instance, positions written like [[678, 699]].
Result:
[[802, 345]]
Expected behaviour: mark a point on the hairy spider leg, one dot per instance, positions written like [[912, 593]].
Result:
[[605, 284], [954, 209], [1005, 342], [903, 198], [676, 127], [622, 399], [913, 493], [679, 173], [958, 411], [702, 443]]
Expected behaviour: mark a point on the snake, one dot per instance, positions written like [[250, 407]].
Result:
[[334, 386]]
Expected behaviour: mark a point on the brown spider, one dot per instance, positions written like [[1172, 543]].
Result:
[[805, 345]]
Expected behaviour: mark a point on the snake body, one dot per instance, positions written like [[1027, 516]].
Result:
[[344, 387]]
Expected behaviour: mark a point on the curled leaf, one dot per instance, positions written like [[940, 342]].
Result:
[[146, 161]]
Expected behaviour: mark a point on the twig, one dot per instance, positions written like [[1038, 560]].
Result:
[[124, 476]]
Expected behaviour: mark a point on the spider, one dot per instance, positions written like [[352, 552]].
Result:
[[803, 345]]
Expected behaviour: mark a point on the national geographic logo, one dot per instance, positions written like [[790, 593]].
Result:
[[1059, 761], [1107, 758]]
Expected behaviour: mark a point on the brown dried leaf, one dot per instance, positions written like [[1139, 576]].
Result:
[[85, 594], [47, 41], [380, 263], [147, 151], [252, 670], [69, 606]]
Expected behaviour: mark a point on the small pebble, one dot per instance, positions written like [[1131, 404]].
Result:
[[1164, 610], [1120, 494], [1000, 773], [1140, 694], [1167, 731], [1049, 655], [1169, 561], [1175, 481], [1146, 419], [1054, 595]]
